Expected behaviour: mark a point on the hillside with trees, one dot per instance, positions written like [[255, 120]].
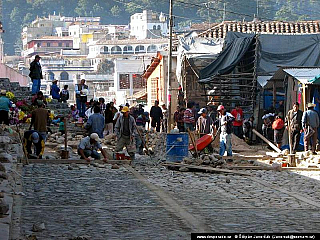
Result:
[[19, 13]]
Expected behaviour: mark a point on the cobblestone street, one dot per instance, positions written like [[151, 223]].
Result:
[[146, 202]]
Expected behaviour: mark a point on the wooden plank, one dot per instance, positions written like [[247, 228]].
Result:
[[247, 157], [207, 169], [300, 169], [251, 167], [274, 147], [77, 161]]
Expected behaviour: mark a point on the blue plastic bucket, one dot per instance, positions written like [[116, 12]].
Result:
[[177, 146]]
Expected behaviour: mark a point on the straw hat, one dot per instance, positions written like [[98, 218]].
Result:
[[310, 105]]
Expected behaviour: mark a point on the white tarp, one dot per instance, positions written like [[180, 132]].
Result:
[[194, 47]]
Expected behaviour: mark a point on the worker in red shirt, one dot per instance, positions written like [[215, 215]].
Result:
[[238, 122]]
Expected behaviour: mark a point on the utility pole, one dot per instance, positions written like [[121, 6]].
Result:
[[257, 9], [170, 66], [224, 12]]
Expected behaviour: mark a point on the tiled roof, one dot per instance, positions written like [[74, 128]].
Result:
[[268, 27]]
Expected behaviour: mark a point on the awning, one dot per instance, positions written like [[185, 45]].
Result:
[[305, 75]]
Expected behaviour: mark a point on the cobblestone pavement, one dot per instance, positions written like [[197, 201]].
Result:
[[99, 203], [245, 204], [102, 203]]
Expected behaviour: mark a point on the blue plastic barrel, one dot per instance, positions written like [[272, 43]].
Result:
[[178, 144]]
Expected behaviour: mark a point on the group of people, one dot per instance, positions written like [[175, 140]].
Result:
[[296, 122]]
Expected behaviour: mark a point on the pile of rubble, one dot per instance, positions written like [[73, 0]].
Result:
[[20, 93], [10, 145], [213, 160]]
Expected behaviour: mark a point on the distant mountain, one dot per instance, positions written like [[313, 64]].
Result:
[[19, 13]]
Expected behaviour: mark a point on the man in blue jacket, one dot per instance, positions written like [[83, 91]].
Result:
[[55, 90]]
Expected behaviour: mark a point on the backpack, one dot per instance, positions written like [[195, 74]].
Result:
[[278, 124]]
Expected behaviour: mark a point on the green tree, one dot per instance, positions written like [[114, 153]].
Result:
[[115, 11]]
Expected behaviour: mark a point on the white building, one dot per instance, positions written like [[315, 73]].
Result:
[[148, 25], [128, 78], [100, 86], [124, 48]]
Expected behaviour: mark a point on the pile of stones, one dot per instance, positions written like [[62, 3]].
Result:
[[213, 160], [20, 93]]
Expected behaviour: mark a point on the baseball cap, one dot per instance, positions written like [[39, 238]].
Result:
[[221, 107], [37, 56], [202, 110], [35, 137], [125, 109], [95, 136]]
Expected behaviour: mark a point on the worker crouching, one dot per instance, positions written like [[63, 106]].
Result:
[[126, 132], [33, 137], [88, 148]]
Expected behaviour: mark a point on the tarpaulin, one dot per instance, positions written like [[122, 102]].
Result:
[[273, 51], [237, 45]]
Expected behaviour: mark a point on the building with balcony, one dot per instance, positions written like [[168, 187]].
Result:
[[148, 25], [47, 45]]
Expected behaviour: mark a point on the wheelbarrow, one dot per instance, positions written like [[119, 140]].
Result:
[[202, 143]]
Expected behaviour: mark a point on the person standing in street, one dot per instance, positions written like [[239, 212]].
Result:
[[189, 117], [278, 129], [35, 74], [82, 92], [108, 116], [55, 90], [156, 116], [5, 104], [310, 124], [165, 114], [39, 119], [89, 146], [95, 123], [238, 121], [225, 124], [204, 124], [125, 131], [102, 106], [64, 94], [294, 126]]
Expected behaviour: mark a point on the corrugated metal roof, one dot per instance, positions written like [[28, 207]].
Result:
[[303, 75]]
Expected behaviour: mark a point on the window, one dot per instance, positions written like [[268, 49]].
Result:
[[128, 50], [116, 50], [67, 44], [60, 44], [38, 44], [154, 27], [152, 48], [104, 50], [154, 89], [124, 81], [48, 44], [159, 28], [64, 76], [140, 49], [138, 81]]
